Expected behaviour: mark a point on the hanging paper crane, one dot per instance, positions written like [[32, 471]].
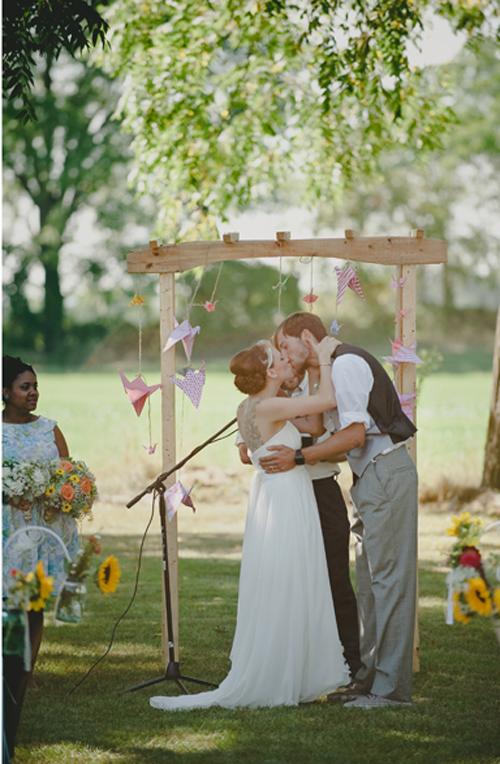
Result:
[[192, 384], [184, 333], [402, 353], [137, 391], [176, 495], [347, 277]]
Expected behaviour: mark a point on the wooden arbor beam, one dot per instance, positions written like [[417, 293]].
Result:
[[384, 250]]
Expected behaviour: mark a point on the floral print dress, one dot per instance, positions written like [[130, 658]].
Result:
[[35, 441]]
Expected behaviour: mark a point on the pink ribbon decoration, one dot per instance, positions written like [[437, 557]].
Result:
[[398, 283], [407, 401], [403, 353], [137, 391], [175, 496], [192, 384], [184, 333], [347, 277]]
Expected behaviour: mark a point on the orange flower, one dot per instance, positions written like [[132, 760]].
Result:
[[66, 466], [67, 491], [86, 486]]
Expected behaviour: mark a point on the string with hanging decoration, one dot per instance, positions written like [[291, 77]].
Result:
[[137, 390], [347, 278], [281, 236]]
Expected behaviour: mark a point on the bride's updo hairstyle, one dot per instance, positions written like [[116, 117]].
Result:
[[249, 367]]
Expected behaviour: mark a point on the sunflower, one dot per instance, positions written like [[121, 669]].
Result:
[[458, 613], [496, 599], [66, 507], [478, 597], [50, 490], [108, 575]]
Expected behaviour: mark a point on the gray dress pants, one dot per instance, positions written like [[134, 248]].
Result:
[[385, 528]]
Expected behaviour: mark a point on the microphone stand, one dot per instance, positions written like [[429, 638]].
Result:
[[172, 670]]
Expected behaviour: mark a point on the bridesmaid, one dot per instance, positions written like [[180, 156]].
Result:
[[28, 437]]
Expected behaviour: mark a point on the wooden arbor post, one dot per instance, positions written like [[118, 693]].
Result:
[[403, 252]]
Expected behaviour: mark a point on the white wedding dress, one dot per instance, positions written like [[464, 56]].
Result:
[[286, 647]]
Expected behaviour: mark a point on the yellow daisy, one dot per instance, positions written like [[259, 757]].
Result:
[[108, 575], [59, 472], [66, 507], [50, 490], [74, 478], [478, 597], [458, 613]]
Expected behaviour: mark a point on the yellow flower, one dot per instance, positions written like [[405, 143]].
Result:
[[108, 575], [137, 299], [496, 599], [74, 478], [46, 582], [59, 472], [457, 521], [478, 597], [50, 490], [66, 507], [29, 577], [458, 613], [37, 604]]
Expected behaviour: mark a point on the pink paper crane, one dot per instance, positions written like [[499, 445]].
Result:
[[175, 496], [398, 283], [192, 384], [402, 353], [310, 298], [185, 333], [347, 277], [209, 306], [407, 401], [137, 391]]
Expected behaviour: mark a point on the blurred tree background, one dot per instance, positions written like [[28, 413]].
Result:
[[191, 114]]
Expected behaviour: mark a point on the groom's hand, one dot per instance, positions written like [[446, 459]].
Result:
[[282, 460]]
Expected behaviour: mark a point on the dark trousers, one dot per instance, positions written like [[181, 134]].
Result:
[[16, 679], [336, 529]]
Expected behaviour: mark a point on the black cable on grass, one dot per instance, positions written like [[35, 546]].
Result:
[[129, 605]]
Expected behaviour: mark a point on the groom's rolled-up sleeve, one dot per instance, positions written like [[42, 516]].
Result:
[[353, 381]]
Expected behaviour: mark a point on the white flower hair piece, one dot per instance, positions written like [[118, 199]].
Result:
[[269, 353]]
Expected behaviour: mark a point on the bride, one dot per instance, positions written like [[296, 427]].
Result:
[[286, 648]]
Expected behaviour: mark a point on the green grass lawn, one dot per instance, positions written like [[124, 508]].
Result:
[[454, 718]]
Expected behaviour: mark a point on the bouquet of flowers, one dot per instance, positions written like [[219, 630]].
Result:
[[25, 591], [71, 489], [70, 602], [23, 482], [29, 591], [470, 582]]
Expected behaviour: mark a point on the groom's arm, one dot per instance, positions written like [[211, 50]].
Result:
[[333, 448]]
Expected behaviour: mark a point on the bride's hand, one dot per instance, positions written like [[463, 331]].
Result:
[[326, 348]]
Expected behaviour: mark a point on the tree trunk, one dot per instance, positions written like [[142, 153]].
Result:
[[491, 471], [53, 307]]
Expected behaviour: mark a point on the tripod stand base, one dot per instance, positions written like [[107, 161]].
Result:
[[173, 674]]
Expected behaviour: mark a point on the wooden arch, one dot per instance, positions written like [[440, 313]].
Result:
[[405, 253]]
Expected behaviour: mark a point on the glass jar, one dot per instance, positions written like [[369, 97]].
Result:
[[70, 602]]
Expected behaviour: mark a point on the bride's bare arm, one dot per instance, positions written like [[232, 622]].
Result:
[[278, 409]]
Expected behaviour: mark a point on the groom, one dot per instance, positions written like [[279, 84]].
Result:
[[372, 430]]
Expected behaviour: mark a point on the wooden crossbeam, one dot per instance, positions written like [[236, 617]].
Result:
[[385, 250]]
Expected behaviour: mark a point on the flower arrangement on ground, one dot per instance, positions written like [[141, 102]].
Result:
[[473, 583], [29, 591], [70, 602]]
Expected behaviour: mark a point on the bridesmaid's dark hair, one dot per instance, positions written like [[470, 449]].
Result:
[[12, 368]]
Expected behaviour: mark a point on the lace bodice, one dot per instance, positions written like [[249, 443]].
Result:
[[30, 442]]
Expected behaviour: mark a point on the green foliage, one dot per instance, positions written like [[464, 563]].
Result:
[[73, 157], [223, 100], [45, 27]]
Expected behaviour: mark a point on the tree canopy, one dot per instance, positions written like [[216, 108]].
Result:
[[44, 27], [223, 100]]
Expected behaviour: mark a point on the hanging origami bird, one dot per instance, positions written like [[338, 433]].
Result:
[[137, 391], [175, 496], [347, 277], [192, 384], [185, 333]]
